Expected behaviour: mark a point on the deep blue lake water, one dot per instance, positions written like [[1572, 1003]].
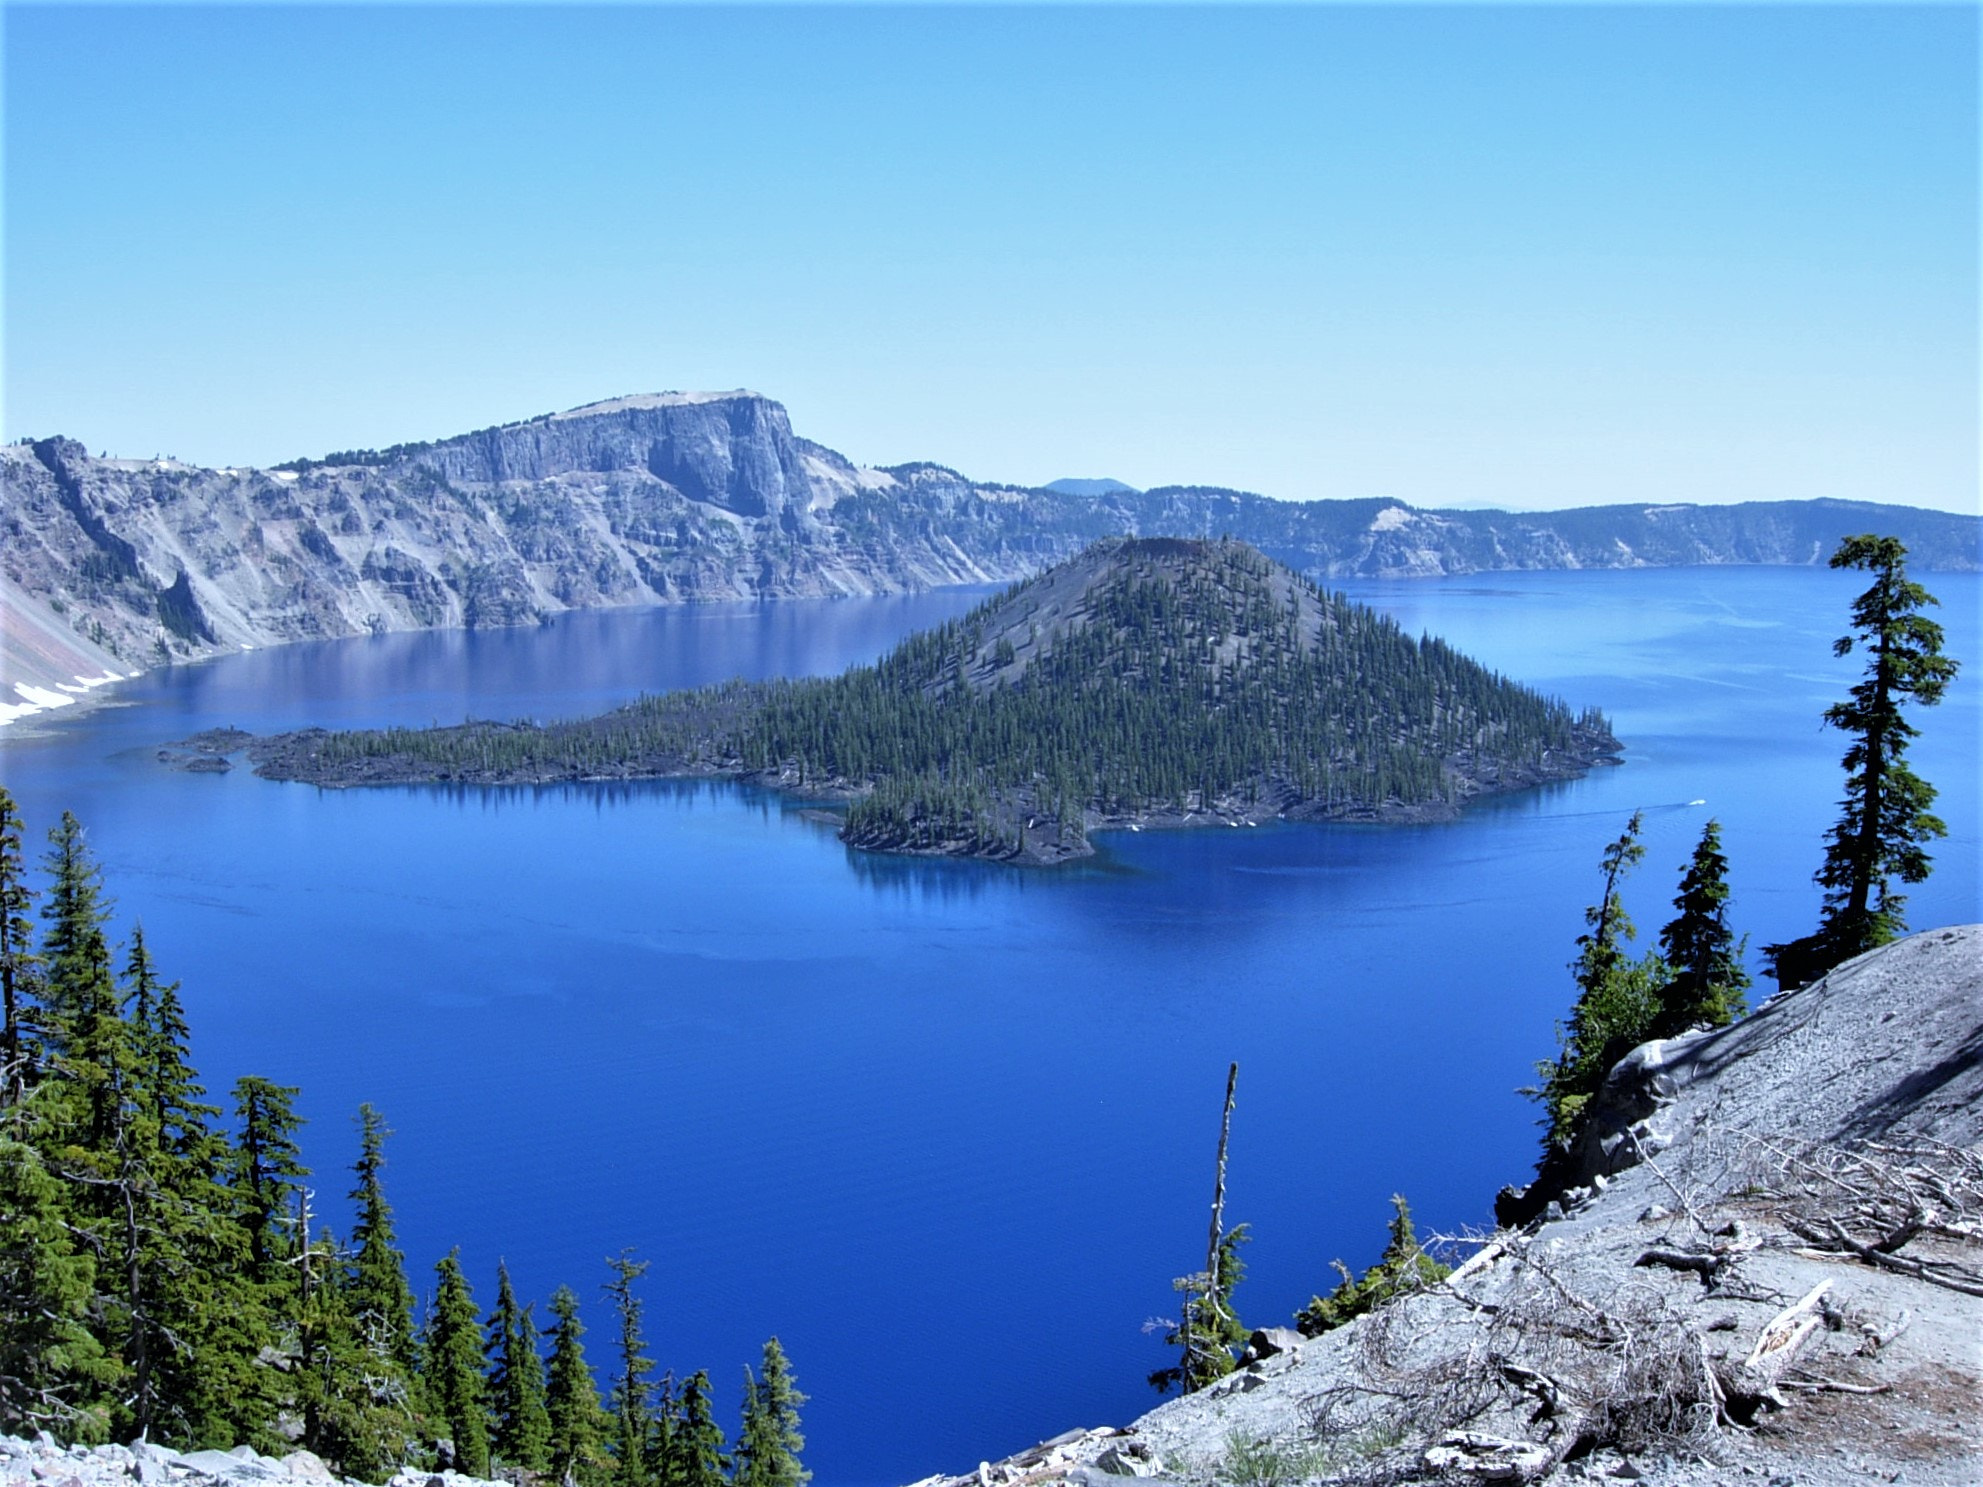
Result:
[[946, 1128]]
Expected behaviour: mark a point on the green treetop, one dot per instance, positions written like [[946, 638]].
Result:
[[1404, 1266], [267, 1169], [1701, 952], [571, 1395], [75, 949], [168, 1088], [453, 1357], [522, 1429], [695, 1445], [1617, 996], [1881, 835], [769, 1442], [19, 965], [633, 1392], [379, 1294]]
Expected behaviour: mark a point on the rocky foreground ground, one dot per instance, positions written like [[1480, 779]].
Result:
[[1767, 1268], [43, 1463]]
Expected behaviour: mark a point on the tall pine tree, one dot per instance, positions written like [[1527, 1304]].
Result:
[[266, 1170], [19, 965], [1882, 834], [1617, 996], [695, 1445], [75, 948], [1703, 958], [769, 1442], [571, 1395], [521, 1431], [455, 1385], [214, 1317], [380, 1296], [633, 1392]]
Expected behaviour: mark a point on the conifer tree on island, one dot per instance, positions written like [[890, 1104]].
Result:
[[1885, 823]]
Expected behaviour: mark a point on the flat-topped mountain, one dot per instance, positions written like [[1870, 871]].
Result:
[[659, 498], [1158, 681]]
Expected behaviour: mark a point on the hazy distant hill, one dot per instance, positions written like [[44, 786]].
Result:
[[1173, 681], [676, 496]]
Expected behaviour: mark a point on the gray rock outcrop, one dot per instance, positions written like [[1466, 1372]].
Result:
[[43, 1463], [1783, 1285]]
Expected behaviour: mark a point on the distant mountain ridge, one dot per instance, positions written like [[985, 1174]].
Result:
[[113, 564]]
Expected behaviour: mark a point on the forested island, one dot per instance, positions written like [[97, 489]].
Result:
[[1154, 681]]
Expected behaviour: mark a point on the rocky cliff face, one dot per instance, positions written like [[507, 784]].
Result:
[[682, 496], [1774, 1273]]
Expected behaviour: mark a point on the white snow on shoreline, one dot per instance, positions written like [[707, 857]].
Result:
[[45, 699]]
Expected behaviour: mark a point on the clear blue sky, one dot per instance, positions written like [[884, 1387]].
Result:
[[1535, 255]]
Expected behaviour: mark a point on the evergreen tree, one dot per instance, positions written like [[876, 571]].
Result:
[[1404, 1266], [85, 1120], [188, 1325], [216, 1316], [632, 1394], [167, 1087], [356, 1411], [769, 1442], [266, 1170], [695, 1446], [1617, 997], [53, 1368], [19, 965], [664, 1422], [522, 1429], [1702, 955], [85, 1026], [75, 949], [1207, 1329], [453, 1358], [379, 1294], [1885, 824], [571, 1395], [356, 1329]]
